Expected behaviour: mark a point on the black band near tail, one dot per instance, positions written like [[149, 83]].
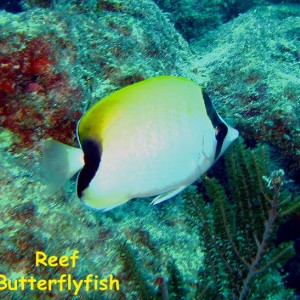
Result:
[[221, 128], [92, 157]]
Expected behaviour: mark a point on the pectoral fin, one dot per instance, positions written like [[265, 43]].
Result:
[[167, 195], [110, 207], [208, 147]]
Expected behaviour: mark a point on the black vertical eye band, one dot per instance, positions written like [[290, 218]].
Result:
[[220, 127], [221, 132]]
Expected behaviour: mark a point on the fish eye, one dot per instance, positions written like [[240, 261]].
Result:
[[221, 131]]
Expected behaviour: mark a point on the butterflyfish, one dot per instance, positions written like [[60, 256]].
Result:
[[149, 139]]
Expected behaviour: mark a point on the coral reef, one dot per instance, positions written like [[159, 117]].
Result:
[[54, 65]]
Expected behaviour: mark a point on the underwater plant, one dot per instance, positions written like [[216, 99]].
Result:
[[238, 225]]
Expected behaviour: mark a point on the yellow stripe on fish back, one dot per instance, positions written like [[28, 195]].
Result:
[[95, 122]]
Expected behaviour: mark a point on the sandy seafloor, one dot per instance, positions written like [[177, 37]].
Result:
[[58, 58]]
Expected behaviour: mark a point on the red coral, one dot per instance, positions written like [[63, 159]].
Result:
[[32, 64], [7, 86], [35, 99], [40, 65]]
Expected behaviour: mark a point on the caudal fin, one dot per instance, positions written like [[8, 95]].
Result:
[[59, 163]]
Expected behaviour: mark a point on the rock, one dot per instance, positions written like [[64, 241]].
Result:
[[195, 18], [253, 75]]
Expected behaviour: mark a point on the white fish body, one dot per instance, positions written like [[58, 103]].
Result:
[[155, 138]]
